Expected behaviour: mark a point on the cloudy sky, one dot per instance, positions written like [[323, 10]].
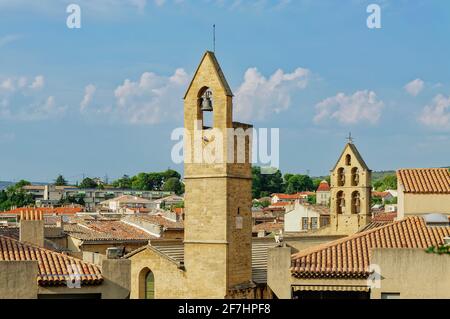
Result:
[[104, 99]]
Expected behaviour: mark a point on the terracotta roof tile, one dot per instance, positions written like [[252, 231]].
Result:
[[45, 210], [158, 219], [380, 194], [384, 217], [106, 230], [53, 268], [323, 187], [281, 204], [286, 196], [425, 180], [349, 257]]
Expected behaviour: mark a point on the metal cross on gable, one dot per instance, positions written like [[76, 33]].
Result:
[[350, 138]]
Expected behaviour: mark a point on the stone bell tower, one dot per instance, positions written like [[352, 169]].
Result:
[[351, 191], [218, 182]]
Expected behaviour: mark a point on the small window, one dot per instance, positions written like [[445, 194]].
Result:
[[313, 222], [305, 223]]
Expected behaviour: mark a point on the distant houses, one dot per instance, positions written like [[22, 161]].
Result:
[[51, 195]]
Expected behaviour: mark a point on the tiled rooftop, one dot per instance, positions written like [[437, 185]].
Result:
[[425, 180], [384, 217], [45, 210], [158, 219], [106, 230], [350, 257], [54, 268], [380, 194], [323, 187]]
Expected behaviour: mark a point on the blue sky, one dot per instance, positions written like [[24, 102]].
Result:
[[104, 99]]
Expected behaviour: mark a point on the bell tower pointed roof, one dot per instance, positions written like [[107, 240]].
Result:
[[351, 148], [210, 58]]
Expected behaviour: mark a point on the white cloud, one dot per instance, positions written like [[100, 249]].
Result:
[[258, 97], [151, 99], [38, 82], [22, 99], [160, 3], [414, 87], [7, 85], [89, 91], [14, 84], [362, 106], [437, 114]]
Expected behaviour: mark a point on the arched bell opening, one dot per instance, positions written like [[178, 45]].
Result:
[[340, 202], [205, 107], [356, 203], [341, 176], [355, 176]]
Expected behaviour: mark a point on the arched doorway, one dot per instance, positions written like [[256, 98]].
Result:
[[146, 284]]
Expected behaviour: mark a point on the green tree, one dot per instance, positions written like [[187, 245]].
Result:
[[169, 173], [15, 196], [263, 204], [387, 182], [173, 184], [88, 183], [20, 184], [299, 183], [312, 199], [60, 181], [266, 184], [123, 182]]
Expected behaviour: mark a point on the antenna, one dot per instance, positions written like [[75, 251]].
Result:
[[214, 38]]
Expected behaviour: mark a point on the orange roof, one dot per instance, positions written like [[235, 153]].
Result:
[[384, 217], [380, 194], [349, 257], [295, 196], [323, 187], [52, 266], [106, 230], [425, 180], [45, 210], [285, 196]]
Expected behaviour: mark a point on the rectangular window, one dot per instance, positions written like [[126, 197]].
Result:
[[305, 223], [313, 222]]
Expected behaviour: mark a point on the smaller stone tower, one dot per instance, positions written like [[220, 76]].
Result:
[[351, 190]]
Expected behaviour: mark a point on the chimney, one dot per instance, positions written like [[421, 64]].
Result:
[[32, 227]]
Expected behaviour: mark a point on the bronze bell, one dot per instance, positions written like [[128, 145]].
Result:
[[207, 103]]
